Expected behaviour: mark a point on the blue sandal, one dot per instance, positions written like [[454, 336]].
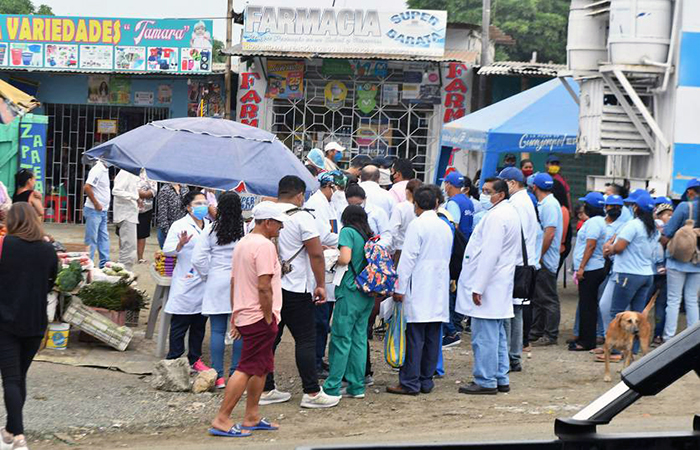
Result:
[[235, 431], [263, 425]]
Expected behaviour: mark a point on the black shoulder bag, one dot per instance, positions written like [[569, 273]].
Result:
[[525, 275]]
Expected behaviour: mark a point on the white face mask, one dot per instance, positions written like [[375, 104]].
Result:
[[485, 200]]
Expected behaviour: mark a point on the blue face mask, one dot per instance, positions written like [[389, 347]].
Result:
[[338, 156], [200, 212], [485, 200]]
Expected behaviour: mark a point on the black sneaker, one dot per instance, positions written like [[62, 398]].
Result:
[[504, 388], [451, 341], [516, 367], [474, 389]]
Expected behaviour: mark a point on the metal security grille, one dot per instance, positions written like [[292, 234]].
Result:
[[72, 131], [395, 130]]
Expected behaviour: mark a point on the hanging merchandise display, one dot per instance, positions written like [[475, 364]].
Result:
[[390, 94], [366, 97], [335, 94], [286, 79]]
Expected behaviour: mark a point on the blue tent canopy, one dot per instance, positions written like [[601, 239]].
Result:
[[541, 119]]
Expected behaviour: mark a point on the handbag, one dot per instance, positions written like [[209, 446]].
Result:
[[525, 275], [395, 339]]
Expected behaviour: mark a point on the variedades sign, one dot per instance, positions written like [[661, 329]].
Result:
[[105, 44], [335, 30]]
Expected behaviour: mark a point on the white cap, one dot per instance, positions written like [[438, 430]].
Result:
[[334, 146], [269, 210]]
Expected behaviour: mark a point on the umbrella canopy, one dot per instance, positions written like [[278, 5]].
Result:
[[543, 118], [15, 102], [205, 152]]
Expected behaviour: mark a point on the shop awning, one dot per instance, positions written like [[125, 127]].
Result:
[[463, 56], [15, 102]]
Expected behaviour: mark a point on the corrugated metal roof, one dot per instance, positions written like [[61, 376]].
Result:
[[522, 68], [464, 56], [217, 68]]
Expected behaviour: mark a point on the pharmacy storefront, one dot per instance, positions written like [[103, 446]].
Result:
[[380, 83], [100, 77]]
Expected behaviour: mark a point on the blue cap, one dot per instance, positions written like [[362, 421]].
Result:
[[531, 180], [512, 173], [633, 196], [660, 200], [456, 179], [544, 181], [326, 178], [553, 158], [644, 201], [316, 157], [613, 200], [693, 183], [594, 199]]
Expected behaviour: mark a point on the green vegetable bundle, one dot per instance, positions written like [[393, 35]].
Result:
[[70, 277], [118, 296]]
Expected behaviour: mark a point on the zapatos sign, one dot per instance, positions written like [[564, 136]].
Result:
[[333, 30]]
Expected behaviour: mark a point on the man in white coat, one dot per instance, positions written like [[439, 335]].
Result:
[[376, 195], [528, 219], [423, 287], [377, 218], [126, 215], [485, 290]]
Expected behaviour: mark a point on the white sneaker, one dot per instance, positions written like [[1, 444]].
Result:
[[274, 396], [322, 400], [6, 442], [20, 445], [344, 394]]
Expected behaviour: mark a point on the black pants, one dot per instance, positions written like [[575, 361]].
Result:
[[298, 314], [423, 346], [527, 324], [546, 312], [588, 306], [179, 324], [16, 355]]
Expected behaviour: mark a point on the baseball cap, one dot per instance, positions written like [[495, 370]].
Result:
[[455, 178], [662, 199], [594, 199], [544, 181], [325, 178], [339, 178], [512, 173], [633, 196], [316, 157], [531, 180], [693, 183], [661, 207], [333, 146], [553, 158], [613, 200], [269, 210], [644, 201]]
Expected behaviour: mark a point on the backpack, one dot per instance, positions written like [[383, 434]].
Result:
[[683, 246], [379, 277], [459, 246]]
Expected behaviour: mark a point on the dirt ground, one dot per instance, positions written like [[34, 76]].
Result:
[[84, 408]]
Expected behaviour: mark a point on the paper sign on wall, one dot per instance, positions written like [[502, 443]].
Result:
[[143, 98]]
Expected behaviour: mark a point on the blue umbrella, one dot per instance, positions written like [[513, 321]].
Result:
[[541, 119], [205, 152]]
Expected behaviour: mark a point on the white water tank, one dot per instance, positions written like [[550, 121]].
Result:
[[587, 38], [639, 29]]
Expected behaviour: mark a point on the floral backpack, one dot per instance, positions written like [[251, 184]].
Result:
[[379, 276]]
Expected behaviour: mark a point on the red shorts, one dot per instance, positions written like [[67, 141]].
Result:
[[257, 356]]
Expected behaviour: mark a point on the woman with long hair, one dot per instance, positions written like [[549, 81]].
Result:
[[634, 248], [212, 258], [28, 268], [25, 181], [347, 351]]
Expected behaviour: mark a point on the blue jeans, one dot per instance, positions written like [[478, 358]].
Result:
[[490, 345], [96, 234], [219, 326], [454, 325], [685, 284], [631, 292], [514, 333], [161, 237], [660, 305], [440, 369]]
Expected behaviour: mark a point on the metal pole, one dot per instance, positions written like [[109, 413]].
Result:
[[227, 75], [485, 46]]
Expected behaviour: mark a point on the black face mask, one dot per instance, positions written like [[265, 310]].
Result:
[[614, 213]]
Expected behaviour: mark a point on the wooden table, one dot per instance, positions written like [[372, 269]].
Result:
[[160, 298]]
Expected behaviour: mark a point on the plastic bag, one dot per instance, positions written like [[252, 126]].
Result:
[[395, 340]]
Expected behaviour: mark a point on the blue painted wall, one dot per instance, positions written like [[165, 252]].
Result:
[[73, 88]]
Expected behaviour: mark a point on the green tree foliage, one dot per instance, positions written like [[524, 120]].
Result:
[[23, 7], [217, 46], [536, 25]]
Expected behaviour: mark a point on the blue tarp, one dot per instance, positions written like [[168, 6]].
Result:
[[541, 119], [206, 152]]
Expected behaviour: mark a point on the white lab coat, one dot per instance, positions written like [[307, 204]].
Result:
[[126, 196], [401, 217], [326, 216], [424, 269], [186, 286], [339, 203], [489, 265], [379, 223], [528, 218], [378, 196], [213, 264]]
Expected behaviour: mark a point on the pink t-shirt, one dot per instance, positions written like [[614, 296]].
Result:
[[253, 257], [398, 191]]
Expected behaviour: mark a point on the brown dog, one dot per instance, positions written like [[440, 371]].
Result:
[[621, 333]]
